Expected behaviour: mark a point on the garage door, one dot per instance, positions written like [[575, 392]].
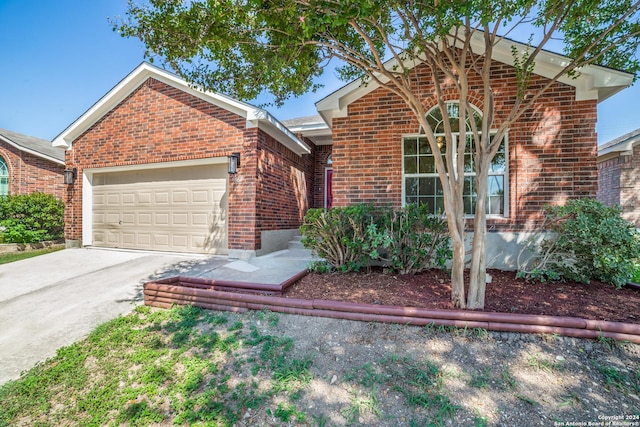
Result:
[[175, 209]]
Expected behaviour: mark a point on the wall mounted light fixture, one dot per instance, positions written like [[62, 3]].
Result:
[[70, 175], [234, 163]]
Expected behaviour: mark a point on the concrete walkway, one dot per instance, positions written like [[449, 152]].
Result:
[[53, 300]]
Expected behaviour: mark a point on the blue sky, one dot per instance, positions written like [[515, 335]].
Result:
[[61, 56]]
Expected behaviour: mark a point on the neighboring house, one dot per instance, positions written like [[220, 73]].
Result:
[[619, 175], [29, 164], [152, 159], [379, 155]]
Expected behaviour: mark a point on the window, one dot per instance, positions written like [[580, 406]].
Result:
[[4, 177], [421, 182]]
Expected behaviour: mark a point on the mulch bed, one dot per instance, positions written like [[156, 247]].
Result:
[[505, 293]]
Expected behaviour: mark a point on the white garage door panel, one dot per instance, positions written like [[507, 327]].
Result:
[[180, 209]]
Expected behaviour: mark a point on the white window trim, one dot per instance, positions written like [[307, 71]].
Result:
[[506, 175]]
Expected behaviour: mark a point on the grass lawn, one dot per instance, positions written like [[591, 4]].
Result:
[[155, 365], [17, 256], [189, 366], [183, 366]]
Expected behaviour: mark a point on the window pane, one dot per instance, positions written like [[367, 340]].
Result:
[[411, 186], [455, 124], [423, 146], [411, 200], [498, 163], [427, 164], [469, 186], [439, 205], [496, 185], [434, 118], [410, 146], [427, 186], [4, 178], [468, 163], [468, 148], [410, 165], [495, 205], [469, 204], [439, 190]]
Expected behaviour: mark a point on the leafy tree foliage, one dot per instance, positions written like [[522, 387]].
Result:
[[246, 47]]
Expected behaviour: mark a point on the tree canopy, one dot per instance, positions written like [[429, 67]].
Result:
[[246, 47]]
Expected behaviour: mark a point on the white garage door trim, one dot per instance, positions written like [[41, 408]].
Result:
[[87, 186]]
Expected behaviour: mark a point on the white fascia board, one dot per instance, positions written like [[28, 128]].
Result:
[[270, 125], [28, 150], [624, 148]]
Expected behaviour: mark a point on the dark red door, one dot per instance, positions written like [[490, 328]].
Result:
[[328, 192]]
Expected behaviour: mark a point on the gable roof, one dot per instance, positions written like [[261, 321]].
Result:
[[32, 145], [592, 82], [312, 127], [255, 117], [622, 145]]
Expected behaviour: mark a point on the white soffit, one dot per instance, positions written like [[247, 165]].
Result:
[[256, 117], [624, 147], [593, 82]]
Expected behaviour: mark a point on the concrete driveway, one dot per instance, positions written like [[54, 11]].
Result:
[[53, 300]]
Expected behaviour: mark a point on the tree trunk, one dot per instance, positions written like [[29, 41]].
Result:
[[455, 220], [457, 272], [478, 270]]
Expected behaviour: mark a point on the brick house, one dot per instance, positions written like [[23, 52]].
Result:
[[549, 156], [152, 158], [29, 164], [619, 175]]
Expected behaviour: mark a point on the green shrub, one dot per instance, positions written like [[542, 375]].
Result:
[[29, 218], [635, 275], [338, 235], [586, 240], [410, 239], [407, 240]]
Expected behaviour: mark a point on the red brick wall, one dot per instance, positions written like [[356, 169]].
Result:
[[158, 123], [284, 186], [619, 184], [552, 149], [630, 186], [29, 173], [609, 181]]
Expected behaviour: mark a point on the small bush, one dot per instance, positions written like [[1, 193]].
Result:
[[407, 240], [586, 240], [338, 235], [30, 218], [411, 238]]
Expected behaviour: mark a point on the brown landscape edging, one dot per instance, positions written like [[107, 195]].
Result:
[[241, 297]]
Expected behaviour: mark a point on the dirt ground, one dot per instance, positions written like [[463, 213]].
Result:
[[371, 374], [488, 378]]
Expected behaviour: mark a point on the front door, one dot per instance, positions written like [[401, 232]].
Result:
[[328, 192]]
